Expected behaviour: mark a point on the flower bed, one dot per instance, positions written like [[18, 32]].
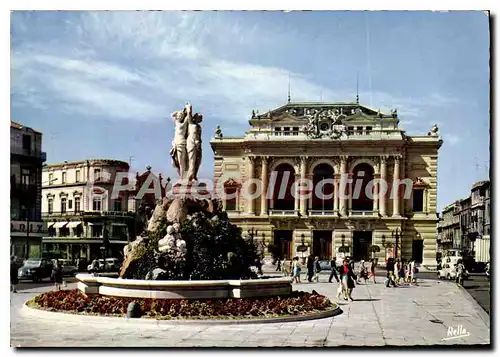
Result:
[[74, 301]]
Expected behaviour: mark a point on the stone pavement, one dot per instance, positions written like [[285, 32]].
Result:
[[379, 316]]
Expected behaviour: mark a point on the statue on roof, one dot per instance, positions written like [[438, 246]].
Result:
[[218, 132], [434, 131]]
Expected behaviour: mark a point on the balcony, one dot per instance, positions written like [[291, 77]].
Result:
[[287, 213], [360, 213], [20, 189], [88, 213], [38, 154], [321, 213]]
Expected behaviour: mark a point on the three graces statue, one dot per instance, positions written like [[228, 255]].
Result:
[[186, 146]]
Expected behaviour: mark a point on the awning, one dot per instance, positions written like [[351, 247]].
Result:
[[119, 224], [60, 224], [95, 223], [73, 224]]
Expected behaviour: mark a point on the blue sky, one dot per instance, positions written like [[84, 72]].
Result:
[[103, 84]]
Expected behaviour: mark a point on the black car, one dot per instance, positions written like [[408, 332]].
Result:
[[35, 269]]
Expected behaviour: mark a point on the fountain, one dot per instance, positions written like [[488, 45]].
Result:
[[189, 249]]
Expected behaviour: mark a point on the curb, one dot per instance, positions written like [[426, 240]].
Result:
[[69, 317]]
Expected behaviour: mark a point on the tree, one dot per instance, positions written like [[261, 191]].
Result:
[[215, 249]]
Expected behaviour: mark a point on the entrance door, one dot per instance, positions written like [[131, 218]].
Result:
[[322, 244], [283, 241], [417, 250], [361, 244]]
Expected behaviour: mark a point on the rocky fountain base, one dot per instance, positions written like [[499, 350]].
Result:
[[191, 251]]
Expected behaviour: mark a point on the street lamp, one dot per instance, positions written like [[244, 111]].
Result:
[[396, 234]]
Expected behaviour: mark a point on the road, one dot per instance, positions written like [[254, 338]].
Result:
[[479, 288], [28, 284]]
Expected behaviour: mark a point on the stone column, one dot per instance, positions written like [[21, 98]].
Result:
[[396, 200], [375, 192], [336, 193], [264, 178], [250, 201], [303, 167], [343, 200], [383, 177]]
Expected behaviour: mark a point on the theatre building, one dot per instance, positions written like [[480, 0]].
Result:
[[350, 151]]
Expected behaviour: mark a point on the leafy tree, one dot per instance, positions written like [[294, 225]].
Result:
[[215, 250]]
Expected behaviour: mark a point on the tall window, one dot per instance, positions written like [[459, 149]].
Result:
[[97, 174], [418, 200], [51, 205], [286, 131], [295, 131], [25, 177], [277, 131], [77, 176], [51, 179], [231, 198], [359, 130], [118, 205], [70, 205], [368, 130], [26, 142], [63, 177], [77, 204], [63, 205], [97, 204]]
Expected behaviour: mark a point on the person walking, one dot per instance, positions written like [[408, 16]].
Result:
[[317, 269], [57, 276], [460, 273], [14, 279], [363, 272], [372, 270], [401, 271], [296, 270], [397, 264], [413, 272], [333, 273], [310, 268], [348, 280], [278, 264], [390, 273]]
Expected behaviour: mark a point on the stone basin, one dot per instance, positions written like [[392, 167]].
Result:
[[183, 289]]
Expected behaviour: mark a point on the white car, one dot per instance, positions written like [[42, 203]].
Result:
[[449, 272]]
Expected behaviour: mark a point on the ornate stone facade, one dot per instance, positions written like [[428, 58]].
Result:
[[314, 142]]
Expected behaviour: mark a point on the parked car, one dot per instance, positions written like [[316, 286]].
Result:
[[69, 269], [35, 269], [97, 265]]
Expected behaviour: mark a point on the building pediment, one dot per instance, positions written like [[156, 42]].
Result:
[[304, 110]]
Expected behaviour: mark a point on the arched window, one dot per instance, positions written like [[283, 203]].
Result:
[[362, 175], [282, 194], [322, 199]]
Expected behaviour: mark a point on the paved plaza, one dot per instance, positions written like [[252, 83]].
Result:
[[379, 316]]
